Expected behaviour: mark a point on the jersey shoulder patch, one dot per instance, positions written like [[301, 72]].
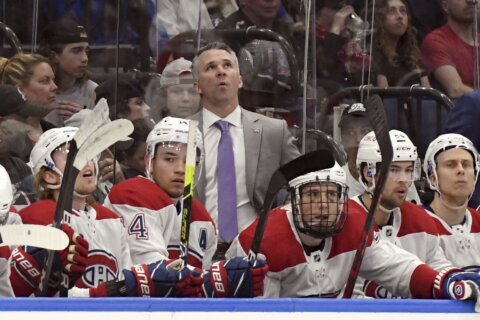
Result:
[[139, 192]]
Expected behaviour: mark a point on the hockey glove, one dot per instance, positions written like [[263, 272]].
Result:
[[25, 273], [455, 284], [161, 279], [73, 259], [238, 278]]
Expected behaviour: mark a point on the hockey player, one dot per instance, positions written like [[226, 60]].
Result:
[[153, 204], [310, 246], [401, 222], [8, 215], [452, 165], [100, 273], [151, 208]]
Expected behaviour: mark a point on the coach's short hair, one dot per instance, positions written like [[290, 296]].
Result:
[[212, 46]]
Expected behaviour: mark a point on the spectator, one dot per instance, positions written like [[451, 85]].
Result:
[[261, 14], [448, 51], [176, 95], [65, 43], [34, 78], [129, 104], [396, 54], [260, 144], [320, 234], [354, 125], [132, 158], [176, 16], [339, 51], [451, 164]]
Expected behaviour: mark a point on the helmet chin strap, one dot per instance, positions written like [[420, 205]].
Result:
[[464, 205], [76, 194], [385, 210]]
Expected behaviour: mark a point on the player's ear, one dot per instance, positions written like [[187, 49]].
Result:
[[197, 87], [51, 177], [433, 179]]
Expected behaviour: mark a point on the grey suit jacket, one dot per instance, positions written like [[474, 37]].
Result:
[[268, 145]]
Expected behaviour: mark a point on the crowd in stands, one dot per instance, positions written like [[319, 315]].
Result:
[[236, 69]]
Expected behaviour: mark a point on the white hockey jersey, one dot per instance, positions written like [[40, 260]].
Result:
[[324, 273], [461, 243], [153, 223], [5, 253], [413, 230], [108, 251]]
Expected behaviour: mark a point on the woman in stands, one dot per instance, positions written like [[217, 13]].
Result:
[[34, 78], [396, 55]]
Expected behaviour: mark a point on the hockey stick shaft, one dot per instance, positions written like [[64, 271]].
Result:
[[313, 161], [188, 190], [377, 117]]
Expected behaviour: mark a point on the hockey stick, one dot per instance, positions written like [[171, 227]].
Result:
[[188, 190], [33, 235], [325, 141], [313, 161], [92, 145], [378, 120]]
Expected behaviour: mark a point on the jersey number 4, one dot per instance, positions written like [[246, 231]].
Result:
[[138, 227]]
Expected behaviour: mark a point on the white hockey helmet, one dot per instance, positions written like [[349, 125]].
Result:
[[369, 153], [170, 130], [332, 225], [41, 155], [6, 195], [442, 143]]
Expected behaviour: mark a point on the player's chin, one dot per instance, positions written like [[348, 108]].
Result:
[[175, 192]]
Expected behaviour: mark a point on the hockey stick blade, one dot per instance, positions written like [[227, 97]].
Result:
[[313, 161], [188, 190], [324, 141], [101, 139], [33, 235], [378, 120], [92, 122]]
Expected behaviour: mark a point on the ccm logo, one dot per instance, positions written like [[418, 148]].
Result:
[[25, 264], [217, 278], [142, 280]]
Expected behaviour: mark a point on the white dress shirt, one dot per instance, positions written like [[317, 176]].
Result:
[[211, 138]]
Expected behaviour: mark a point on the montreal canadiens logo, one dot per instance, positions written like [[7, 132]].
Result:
[[102, 267], [458, 290]]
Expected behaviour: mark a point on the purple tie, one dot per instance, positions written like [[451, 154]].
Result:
[[226, 185]]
